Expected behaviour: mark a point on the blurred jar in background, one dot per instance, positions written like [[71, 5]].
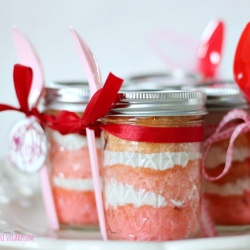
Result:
[[228, 198], [175, 79], [152, 161], [68, 159]]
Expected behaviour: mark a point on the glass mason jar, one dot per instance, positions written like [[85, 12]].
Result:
[[228, 198], [68, 159], [152, 161]]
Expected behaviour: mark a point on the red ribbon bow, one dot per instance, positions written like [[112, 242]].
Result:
[[65, 122], [99, 105], [22, 76]]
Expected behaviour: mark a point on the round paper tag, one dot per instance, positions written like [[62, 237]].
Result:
[[28, 145]]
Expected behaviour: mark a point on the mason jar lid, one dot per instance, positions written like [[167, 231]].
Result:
[[159, 103], [72, 96], [162, 80], [224, 94]]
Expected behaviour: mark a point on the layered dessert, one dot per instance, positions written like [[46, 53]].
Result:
[[228, 198], [71, 179], [151, 190]]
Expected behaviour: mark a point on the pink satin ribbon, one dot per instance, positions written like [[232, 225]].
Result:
[[233, 124]]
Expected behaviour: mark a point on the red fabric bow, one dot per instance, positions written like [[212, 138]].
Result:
[[22, 76], [99, 105]]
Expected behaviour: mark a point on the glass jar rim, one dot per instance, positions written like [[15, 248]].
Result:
[[173, 79], [159, 103], [223, 93], [67, 92], [69, 95]]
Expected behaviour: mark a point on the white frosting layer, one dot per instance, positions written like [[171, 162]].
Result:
[[236, 188], [74, 184], [217, 156], [156, 161], [118, 194], [72, 141]]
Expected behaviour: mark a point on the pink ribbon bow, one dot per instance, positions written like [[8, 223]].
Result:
[[233, 124]]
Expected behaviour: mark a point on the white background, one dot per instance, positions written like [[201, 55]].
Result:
[[117, 31]]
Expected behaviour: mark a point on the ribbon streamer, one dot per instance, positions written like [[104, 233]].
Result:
[[226, 130]]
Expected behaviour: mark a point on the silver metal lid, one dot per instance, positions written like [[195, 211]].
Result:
[[224, 94], [72, 96], [159, 103], [175, 79]]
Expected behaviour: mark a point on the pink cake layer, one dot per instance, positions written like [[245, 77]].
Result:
[[147, 223], [73, 207], [76, 208], [175, 183], [71, 163], [229, 210]]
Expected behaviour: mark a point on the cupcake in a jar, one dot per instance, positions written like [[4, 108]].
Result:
[[152, 165], [68, 159], [228, 196]]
